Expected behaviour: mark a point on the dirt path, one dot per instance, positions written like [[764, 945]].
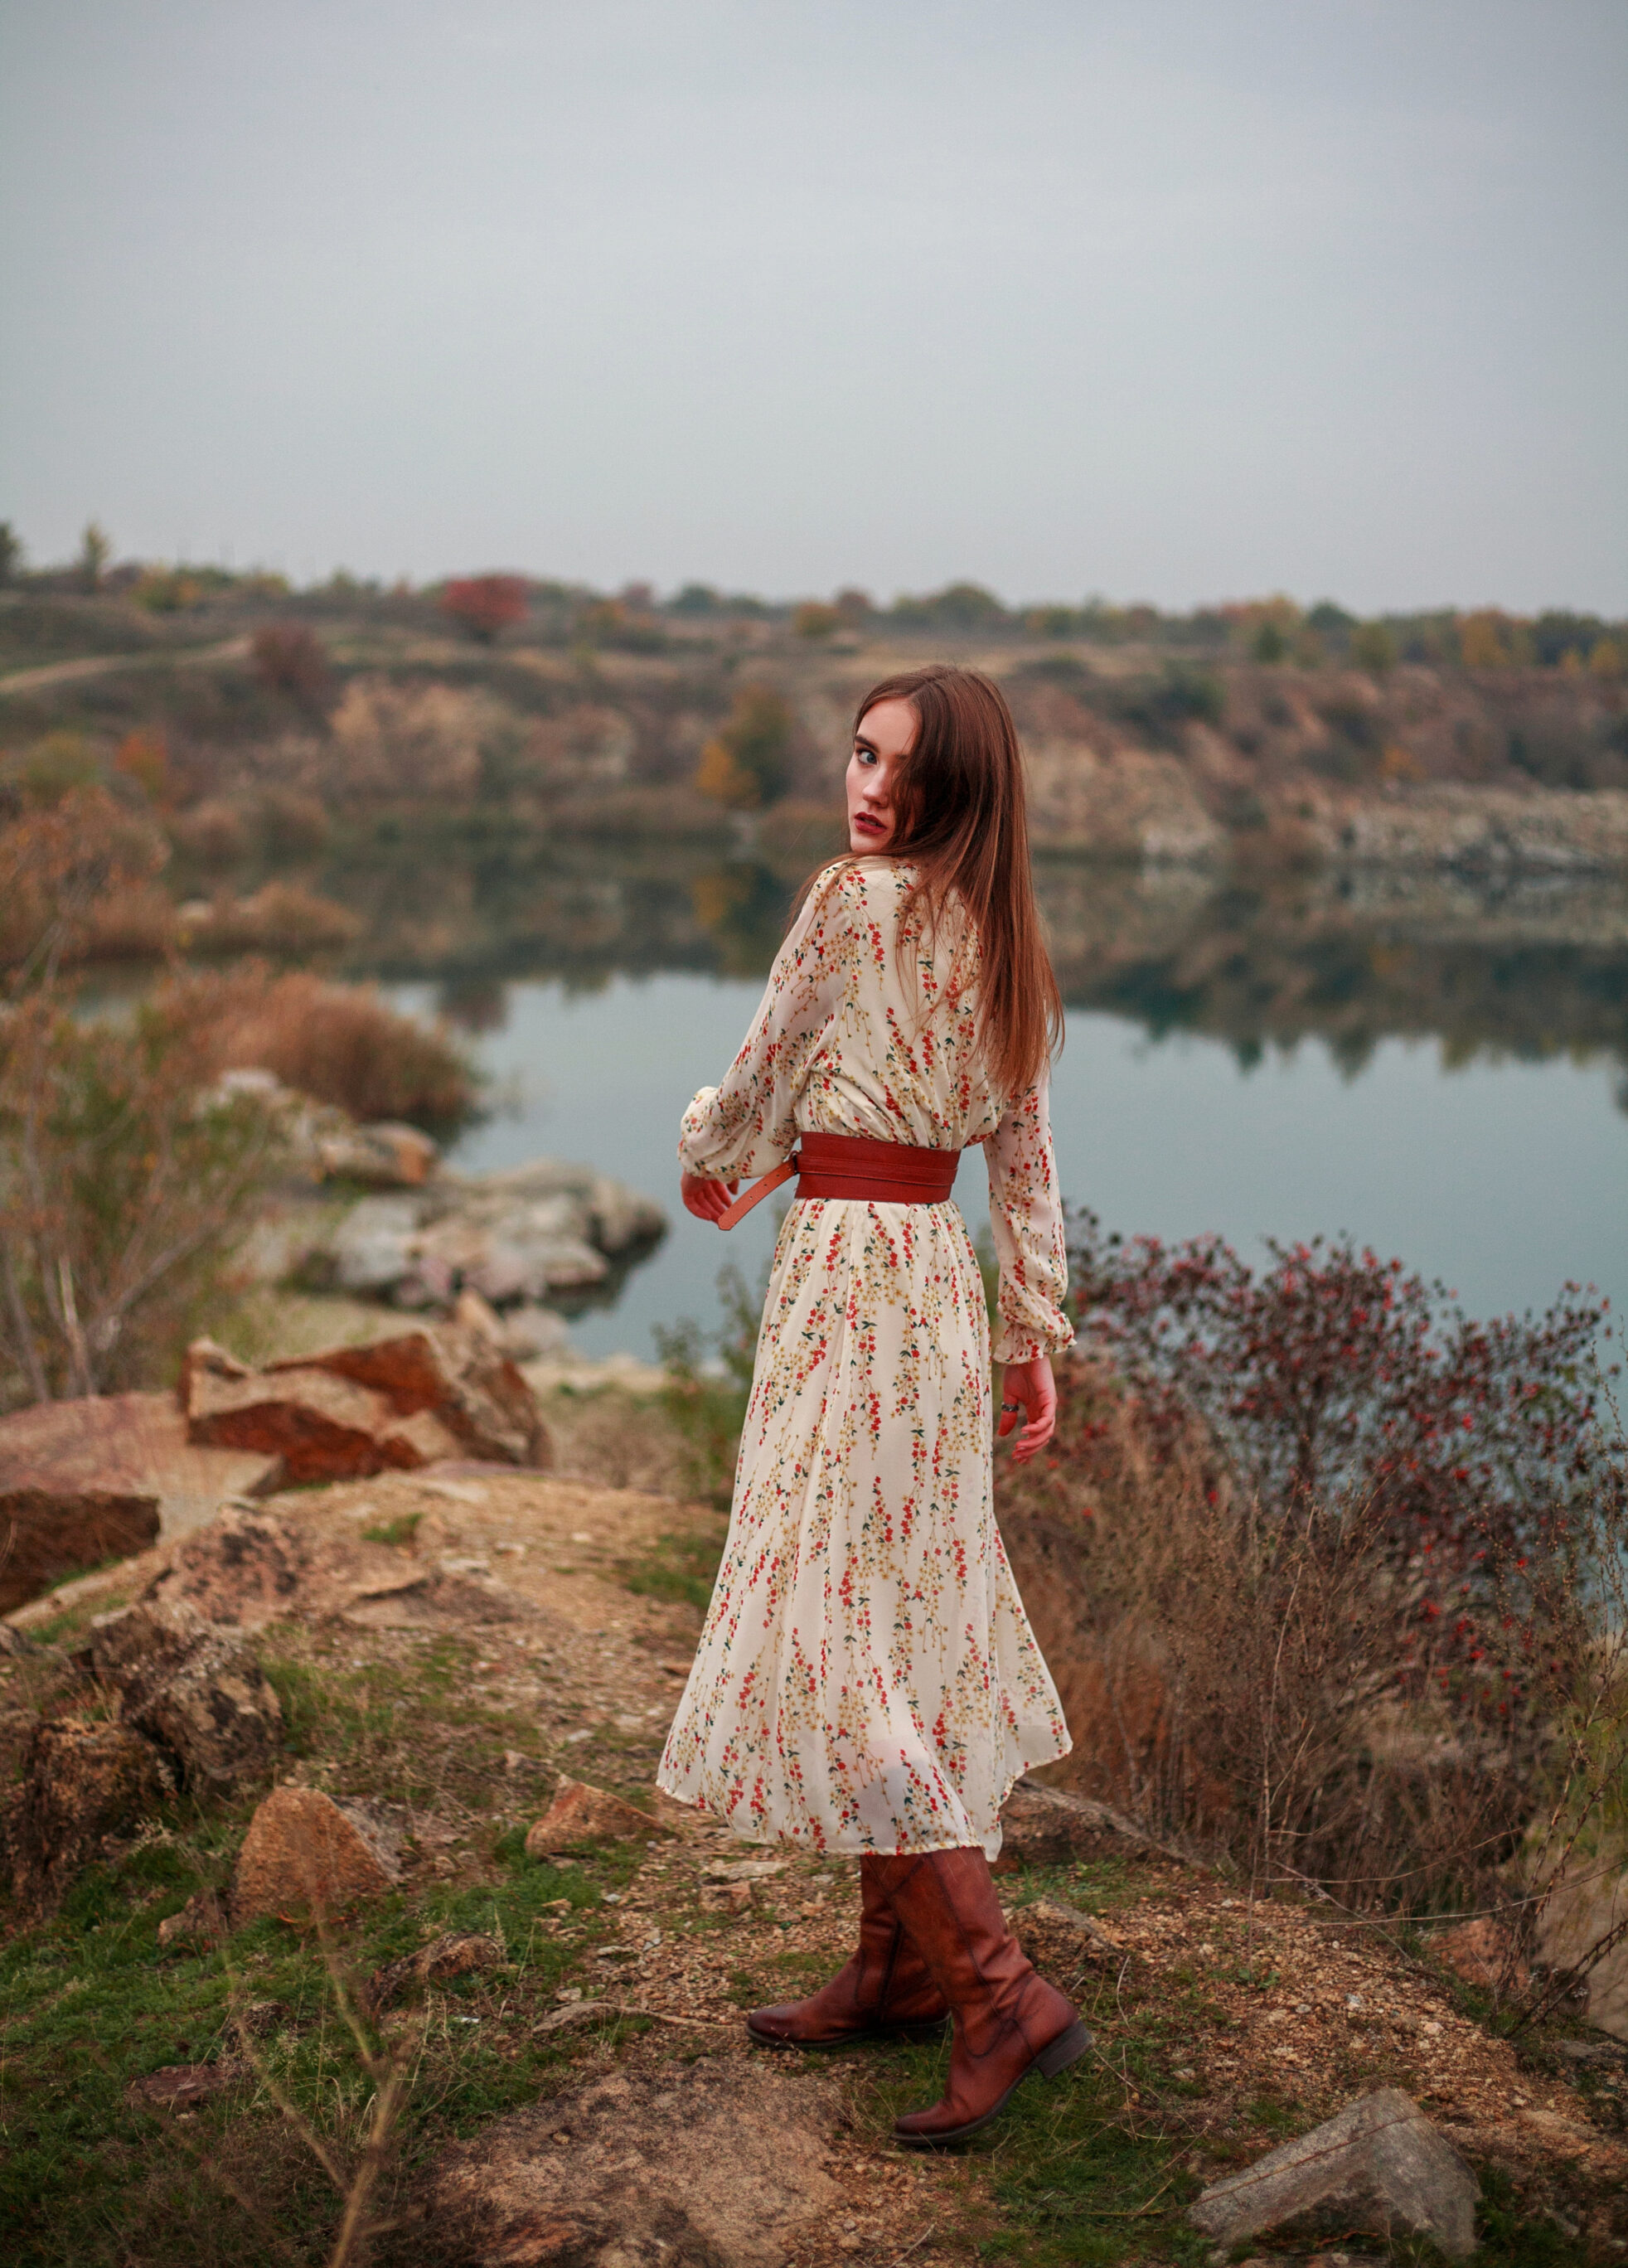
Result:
[[100, 665]]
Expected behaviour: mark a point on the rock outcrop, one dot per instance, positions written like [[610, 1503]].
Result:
[[399, 1404], [101, 1477], [192, 1687], [304, 1853], [540, 1229], [249, 1567], [1380, 2168], [80, 1783], [46, 1533]]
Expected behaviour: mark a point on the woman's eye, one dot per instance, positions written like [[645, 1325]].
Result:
[[864, 756]]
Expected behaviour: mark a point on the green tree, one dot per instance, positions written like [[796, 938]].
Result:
[[746, 763], [1372, 648], [10, 552], [94, 550]]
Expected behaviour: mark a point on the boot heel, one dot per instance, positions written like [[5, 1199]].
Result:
[[1067, 2048]]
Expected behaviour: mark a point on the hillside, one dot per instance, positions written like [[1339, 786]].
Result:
[[590, 1996]]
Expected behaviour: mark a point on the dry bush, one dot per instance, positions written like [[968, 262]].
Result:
[[288, 658], [1328, 1583], [284, 918], [65, 872], [338, 1044], [215, 832], [422, 740], [122, 1191]]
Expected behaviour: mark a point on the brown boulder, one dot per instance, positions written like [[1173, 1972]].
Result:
[[398, 1404], [114, 1446], [460, 1374], [80, 1782], [581, 1813], [304, 1853], [46, 1533], [192, 1687], [458, 1953], [246, 1568], [323, 1428]]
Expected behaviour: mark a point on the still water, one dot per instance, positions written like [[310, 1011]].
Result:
[[1503, 1176]]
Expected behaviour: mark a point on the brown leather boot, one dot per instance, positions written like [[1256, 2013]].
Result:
[[1009, 2021], [885, 1991]]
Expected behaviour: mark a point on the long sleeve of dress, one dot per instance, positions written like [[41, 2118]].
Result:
[[747, 1123], [1026, 1213]]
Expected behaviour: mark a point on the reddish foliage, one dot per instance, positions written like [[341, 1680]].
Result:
[[1334, 1377], [485, 604], [289, 659]]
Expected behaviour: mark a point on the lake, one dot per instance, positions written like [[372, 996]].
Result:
[[1438, 1070]]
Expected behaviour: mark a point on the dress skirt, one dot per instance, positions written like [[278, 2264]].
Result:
[[867, 1679]]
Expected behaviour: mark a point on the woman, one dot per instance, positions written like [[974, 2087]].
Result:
[[867, 1680]]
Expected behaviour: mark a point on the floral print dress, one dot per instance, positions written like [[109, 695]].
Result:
[[867, 1679]]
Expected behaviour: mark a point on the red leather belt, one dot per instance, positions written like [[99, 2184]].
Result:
[[853, 1165]]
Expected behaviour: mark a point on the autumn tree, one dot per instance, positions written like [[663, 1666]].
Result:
[[745, 764], [484, 605]]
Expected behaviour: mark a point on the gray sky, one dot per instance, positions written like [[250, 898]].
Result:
[[1180, 299]]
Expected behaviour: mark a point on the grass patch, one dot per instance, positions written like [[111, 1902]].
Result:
[[398, 1531], [680, 1570], [89, 2003]]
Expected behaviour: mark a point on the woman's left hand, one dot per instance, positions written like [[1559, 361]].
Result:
[[1030, 1385], [704, 1198]]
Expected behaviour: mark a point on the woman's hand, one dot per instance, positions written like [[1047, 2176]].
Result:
[[706, 1199], [1030, 1385]]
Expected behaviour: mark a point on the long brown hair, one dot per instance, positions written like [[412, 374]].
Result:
[[961, 821]]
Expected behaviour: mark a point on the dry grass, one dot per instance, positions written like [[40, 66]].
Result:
[[1245, 1682], [338, 1044], [284, 918]]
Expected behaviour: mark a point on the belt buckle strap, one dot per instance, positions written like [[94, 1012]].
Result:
[[758, 1191]]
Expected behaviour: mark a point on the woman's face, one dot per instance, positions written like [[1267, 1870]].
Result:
[[886, 736]]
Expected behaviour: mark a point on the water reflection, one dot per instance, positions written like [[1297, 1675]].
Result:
[[1529, 968]]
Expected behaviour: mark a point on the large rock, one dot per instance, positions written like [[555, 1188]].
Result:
[[121, 1445], [192, 1686], [396, 1403], [1588, 1903], [304, 1853], [581, 1813], [46, 1533], [542, 1229], [717, 2164], [249, 1567], [1379, 2168], [80, 1782]]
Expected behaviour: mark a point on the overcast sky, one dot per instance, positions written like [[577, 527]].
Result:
[[1180, 299]]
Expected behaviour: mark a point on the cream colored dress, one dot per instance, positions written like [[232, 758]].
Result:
[[867, 1679]]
